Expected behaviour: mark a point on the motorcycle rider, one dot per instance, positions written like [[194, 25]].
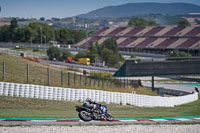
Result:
[[90, 104], [93, 106], [91, 110]]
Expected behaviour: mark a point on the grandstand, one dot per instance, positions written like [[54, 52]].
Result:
[[152, 39]]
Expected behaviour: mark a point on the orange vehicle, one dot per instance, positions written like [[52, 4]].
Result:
[[69, 60]]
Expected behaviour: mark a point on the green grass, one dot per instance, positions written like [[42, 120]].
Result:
[[13, 107], [16, 72], [30, 50]]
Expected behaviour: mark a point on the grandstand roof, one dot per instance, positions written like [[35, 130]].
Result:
[[158, 37]]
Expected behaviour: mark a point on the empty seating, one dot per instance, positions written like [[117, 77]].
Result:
[[116, 31], [90, 41], [100, 31], [166, 43], [146, 42], [179, 37], [153, 31], [188, 43], [127, 41], [134, 31], [174, 31], [193, 32]]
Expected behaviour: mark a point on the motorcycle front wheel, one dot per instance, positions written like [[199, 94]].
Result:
[[109, 117], [85, 116]]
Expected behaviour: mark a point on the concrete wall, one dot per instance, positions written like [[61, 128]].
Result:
[[176, 67], [57, 93]]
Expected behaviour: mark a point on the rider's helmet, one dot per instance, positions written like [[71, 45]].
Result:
[[88, 100]]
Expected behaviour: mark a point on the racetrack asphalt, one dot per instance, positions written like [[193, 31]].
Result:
[[77, 121]]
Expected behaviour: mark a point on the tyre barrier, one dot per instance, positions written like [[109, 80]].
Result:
[[69, 94]]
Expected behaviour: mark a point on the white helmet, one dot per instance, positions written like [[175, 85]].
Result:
[[88, 100]]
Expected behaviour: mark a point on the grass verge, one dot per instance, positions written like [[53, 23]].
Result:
[[14, 107]]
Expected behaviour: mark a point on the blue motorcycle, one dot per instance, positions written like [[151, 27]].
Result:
[[100, 113]]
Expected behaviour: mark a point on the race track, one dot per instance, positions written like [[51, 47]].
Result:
[[77, 121]]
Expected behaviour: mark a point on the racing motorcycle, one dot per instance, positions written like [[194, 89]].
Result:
[[100, 113]]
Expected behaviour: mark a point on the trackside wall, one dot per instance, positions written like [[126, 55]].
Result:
[[69, 94]]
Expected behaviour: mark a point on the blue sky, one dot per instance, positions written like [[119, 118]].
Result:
[[63, 8]]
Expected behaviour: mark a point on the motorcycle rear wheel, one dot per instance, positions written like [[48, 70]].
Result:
[[85, 116]]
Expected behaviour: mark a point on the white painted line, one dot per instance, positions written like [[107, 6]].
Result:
[[158, 119], [43, 120], [183, 119], [127, 120]]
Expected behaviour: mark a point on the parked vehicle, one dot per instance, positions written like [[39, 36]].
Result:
[[84, 61], [69, 60], [100, 113]]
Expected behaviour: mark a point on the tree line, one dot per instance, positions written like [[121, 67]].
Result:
[[136, 21], [107, 52], [36, 32]]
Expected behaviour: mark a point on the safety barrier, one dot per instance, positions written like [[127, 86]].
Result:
[[69, 94]]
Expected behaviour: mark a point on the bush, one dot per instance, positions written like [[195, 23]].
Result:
[[36, 50], [101, 75], [111, 59], [176, 53], [53, 52], [65, 54], [133, 56], [81, 55]]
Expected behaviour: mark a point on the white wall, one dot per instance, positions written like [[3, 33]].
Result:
[[69, 94]]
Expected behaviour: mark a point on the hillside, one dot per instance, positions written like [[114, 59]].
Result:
[[132, 9], [16, 72]]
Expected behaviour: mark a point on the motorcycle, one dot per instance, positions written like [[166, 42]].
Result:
[[100, 113]]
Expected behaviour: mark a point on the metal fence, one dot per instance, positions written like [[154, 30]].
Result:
[[23, 53], [58, 76]]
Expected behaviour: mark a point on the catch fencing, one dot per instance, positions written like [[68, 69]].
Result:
[[20, 53], [12, 71], [69, 94]]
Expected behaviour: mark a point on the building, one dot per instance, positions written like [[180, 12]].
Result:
[[193, 18], [156, 39]]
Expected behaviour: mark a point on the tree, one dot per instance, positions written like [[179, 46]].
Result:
[[110, 44], [137, 22], [65, 54], [152, 23], [42, 19], [141, 22], [108, 52], [4, 33], [19, 35], [111, 59], [81, 55], [183, 22], [77, 35], [63, 36], [92, 48], [12, 27], [93, 52], [53, 52], [13, 24], [98, 48], [37, 32], [39, 29]]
